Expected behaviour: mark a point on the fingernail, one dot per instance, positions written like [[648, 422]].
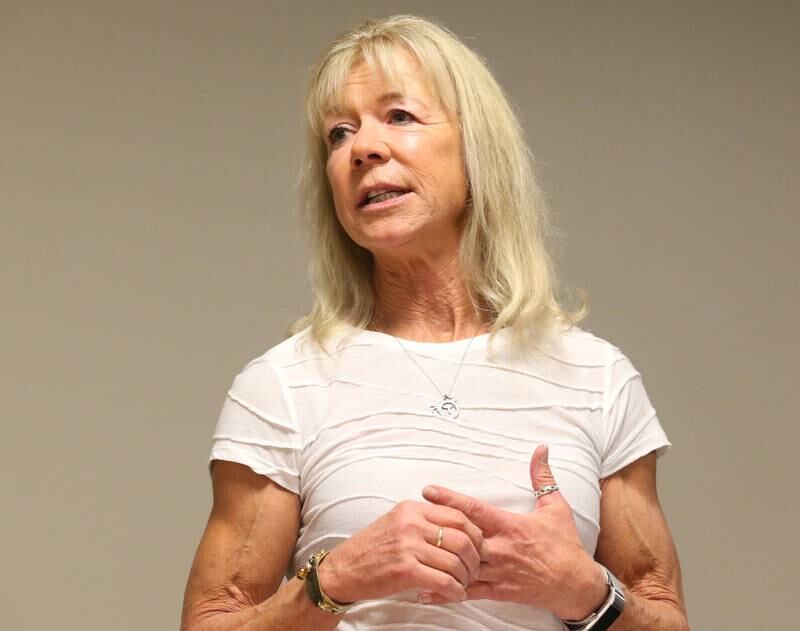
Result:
[[546, 454], [425, 599], [430, 493]]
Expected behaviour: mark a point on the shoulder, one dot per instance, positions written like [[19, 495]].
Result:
[[292, 350], [295, 358], [580, 347], [613, 366], [269, 366], [592, 362], [286, 351]]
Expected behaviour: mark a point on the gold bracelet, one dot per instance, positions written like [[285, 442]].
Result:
[[308, 574]]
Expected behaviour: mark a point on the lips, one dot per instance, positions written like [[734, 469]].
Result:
[[378, 189], [381, 197], [382, 201]]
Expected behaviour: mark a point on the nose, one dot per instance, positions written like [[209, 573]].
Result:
[[368, 146]]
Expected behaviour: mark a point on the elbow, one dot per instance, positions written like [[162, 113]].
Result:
[[206, 613], [189, 625], [678, 620], [193, 622], [205, 618]]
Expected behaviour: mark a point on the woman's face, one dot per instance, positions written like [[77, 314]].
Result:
[[396, 142]]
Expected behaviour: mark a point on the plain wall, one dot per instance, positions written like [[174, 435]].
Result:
[[150, 248]]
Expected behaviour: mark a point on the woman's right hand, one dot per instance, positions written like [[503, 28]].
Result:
[[398, 552]]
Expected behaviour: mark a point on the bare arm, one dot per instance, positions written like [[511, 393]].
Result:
[[636, 545], [241, 559], [251, 534]]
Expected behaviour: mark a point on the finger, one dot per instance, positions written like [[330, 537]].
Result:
[[428, 598], [482, 590], [475, 591], [483, 515], [446, 561], [453, 518], [542, 475], [457, 543], [489, 573], [431, 580]]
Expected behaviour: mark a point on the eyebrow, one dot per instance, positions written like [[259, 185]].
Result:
[[384, 98], [391, 96]]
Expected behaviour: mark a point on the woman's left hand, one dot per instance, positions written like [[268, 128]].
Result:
[[535, 558]]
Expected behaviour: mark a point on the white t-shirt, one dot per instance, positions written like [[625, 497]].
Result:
[[353, 434]]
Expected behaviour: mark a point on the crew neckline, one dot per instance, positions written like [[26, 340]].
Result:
[[387, 338]]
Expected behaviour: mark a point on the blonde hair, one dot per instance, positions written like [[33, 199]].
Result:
[[504, 251]]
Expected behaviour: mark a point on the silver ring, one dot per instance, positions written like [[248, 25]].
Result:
[[545, 490], [439, 537]]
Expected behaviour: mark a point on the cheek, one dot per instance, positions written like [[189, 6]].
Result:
[[450, 172], [435, 161], [337, 182]]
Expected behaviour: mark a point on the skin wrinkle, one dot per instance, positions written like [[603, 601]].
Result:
[[213, 603], [238, 588], [415, 250], [647, 559], [420, 290], [236, 593], [391, 288], [239, 559], [637, 547]]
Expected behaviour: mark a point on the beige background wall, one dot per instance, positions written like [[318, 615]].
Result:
[[149, 249]]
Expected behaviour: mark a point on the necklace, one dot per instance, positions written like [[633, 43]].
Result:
[[447, 405]]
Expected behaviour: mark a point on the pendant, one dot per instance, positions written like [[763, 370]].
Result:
[[448, 406]]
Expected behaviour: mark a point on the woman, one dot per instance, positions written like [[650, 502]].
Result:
[[436, 357]]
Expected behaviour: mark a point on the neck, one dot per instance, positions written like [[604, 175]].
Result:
[[424, 302]]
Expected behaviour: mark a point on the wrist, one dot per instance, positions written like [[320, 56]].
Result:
[[331, 580], [593, 593], [602, 618], [313, 584]]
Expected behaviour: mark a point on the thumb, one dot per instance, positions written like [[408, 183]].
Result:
[[542, 475]]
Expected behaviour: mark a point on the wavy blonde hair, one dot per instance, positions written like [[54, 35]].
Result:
[[504, 249]]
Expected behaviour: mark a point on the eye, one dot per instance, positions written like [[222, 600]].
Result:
[[333, 135], [394, 113]]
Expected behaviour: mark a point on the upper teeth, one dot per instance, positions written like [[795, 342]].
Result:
[[375, 193]]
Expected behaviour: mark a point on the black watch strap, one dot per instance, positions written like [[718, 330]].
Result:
[[609, 611]]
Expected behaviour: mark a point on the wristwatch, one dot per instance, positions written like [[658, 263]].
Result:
[[609, 611], [308, 574]]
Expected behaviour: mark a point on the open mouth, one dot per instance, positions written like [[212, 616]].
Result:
[[389, 198]]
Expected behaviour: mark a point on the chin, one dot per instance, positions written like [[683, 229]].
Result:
[[386, 238], [386, 244]]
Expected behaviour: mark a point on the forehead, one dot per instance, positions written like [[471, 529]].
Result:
[[379, 79], [366, 86]]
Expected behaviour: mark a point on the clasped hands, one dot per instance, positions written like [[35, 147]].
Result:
[[535, 558], [485, 552]]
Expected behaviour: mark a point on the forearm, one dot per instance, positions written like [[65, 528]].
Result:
[[654, 615], [289, 608]]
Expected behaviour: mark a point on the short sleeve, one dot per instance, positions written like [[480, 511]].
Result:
[[630, 425], [256, 427]]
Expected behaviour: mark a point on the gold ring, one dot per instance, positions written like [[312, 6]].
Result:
[[439, 537]]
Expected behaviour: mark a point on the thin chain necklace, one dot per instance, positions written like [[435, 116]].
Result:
[[447, 405]]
